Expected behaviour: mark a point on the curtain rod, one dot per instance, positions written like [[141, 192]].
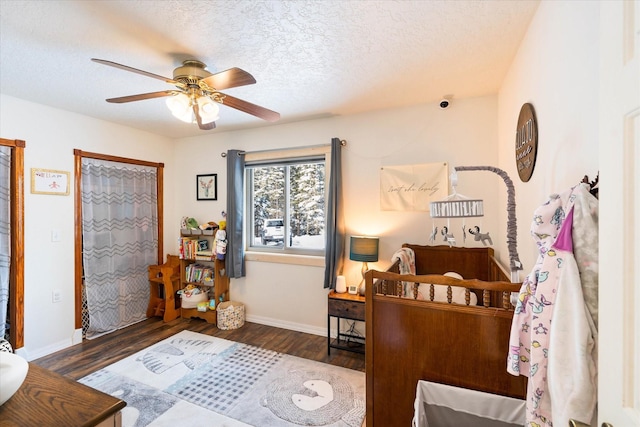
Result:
[[343, 142]]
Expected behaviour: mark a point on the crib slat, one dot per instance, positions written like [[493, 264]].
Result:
[[506, 301], [449, 294], [486, 298], [467, 296]]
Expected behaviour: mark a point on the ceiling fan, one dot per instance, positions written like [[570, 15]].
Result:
[[196, 97]]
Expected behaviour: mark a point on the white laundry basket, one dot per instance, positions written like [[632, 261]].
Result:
[[439, 405]]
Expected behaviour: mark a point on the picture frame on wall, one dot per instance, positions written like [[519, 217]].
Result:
[[49, 181], [207, 186]]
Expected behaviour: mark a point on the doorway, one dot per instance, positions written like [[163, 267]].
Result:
[[118, 233], [12, 235]]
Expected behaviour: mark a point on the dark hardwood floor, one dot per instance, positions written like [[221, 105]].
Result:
[[82, 359]]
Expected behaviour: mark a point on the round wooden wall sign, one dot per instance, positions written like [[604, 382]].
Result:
[[526, 142]]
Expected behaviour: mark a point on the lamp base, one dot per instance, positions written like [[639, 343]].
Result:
[[362, 287]]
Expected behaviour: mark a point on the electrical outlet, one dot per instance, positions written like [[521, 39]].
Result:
[[56, 295]]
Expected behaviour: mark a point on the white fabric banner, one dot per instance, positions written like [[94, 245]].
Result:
[[412, 187]]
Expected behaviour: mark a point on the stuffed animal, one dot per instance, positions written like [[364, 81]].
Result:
[[223, 223], [189, 290], [192, 223], [220, 243]]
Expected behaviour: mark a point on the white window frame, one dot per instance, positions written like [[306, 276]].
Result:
[[290, 256]]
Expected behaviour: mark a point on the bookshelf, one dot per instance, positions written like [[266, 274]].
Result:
[[199, 267]]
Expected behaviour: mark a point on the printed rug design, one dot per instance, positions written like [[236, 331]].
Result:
[[196, 379]]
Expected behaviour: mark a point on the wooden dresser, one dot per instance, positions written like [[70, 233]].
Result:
[[49, 399]]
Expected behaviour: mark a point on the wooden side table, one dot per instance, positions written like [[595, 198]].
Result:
[[48, 399], [345, 306]]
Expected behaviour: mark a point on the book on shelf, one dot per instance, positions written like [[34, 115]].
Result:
[[190, 248], [198, 273]]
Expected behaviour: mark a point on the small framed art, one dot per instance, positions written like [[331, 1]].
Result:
[[207, 186], [47, 181]]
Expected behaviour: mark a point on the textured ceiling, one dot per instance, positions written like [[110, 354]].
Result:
[[310, 58]]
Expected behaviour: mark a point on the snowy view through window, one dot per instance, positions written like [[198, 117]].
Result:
[[288, 203]]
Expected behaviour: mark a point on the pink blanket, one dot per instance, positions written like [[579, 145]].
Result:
[[407, 266]]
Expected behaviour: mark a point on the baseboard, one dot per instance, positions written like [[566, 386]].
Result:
[[22, 352], [45, 351], [299, 327], [77, 337]]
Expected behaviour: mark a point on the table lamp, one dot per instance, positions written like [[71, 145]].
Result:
[[363, 249]]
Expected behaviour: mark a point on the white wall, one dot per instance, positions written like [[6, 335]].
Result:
[[556, 69], [51, 135], [292, 296]]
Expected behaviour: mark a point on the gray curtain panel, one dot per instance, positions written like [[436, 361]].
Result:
[[5, 234], [120, 241], [234, 261], [336, 236]]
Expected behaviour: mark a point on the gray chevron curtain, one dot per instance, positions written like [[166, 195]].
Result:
[[120, 240]]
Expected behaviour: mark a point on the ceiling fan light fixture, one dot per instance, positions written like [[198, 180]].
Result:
[[187, 117], [197, 99], [180, 107], [208, 109]]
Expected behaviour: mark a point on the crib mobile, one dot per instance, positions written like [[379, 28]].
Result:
[[457, 206]]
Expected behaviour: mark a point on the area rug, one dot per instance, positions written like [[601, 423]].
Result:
[[192, 379]]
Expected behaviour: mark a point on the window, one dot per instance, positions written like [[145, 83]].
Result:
[[287, 203]]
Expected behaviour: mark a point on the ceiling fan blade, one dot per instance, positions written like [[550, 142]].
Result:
[[253, 109], [232, 77], [203, 126], [133, 70], [142, 96]]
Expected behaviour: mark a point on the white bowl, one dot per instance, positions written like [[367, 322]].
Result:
[[13, 371]]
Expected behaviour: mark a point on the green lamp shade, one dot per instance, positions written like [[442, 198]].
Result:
[[363, 249]]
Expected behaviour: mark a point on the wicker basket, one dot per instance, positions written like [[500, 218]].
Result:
[[230, 315]]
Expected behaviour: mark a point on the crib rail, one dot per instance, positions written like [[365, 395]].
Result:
[[392, 284]]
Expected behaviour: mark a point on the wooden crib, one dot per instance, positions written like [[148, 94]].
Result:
[[450, 342]]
